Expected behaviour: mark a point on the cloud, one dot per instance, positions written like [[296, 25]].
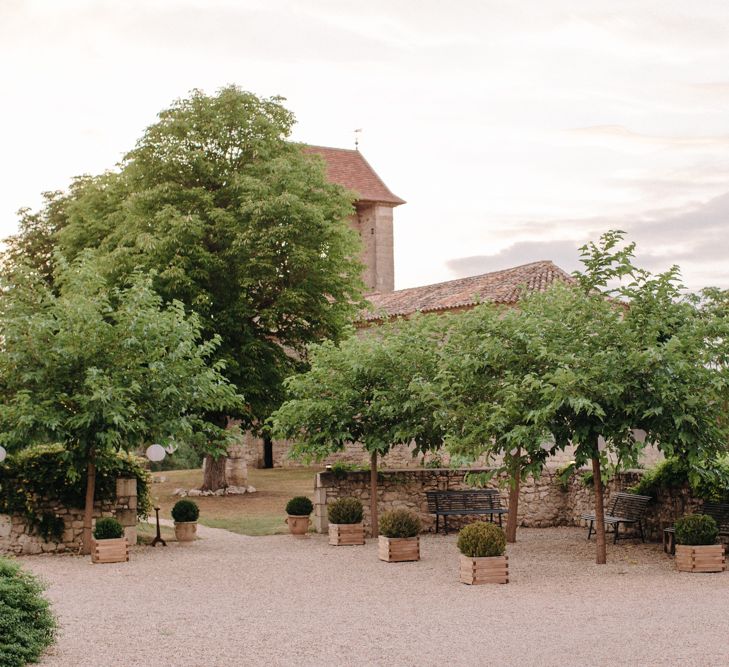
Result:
[[696, 237], [621, 133]]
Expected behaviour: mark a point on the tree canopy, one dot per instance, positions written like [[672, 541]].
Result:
[[237, 222]]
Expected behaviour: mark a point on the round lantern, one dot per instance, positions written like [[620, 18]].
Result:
[[155, 452]]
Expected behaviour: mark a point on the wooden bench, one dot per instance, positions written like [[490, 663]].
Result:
[[718, 511], [625, 508], [475, 501]]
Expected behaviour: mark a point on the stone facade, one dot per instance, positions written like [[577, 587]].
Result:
[[373, 222], [18, 537], [543, 502]]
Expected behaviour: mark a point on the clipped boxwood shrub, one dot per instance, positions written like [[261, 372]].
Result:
[[696, 529], [345, 510], [27, 625], [299, 506], [481, 540], [400, 523], [185, 511], [108, 528]]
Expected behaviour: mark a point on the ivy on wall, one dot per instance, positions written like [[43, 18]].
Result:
[[45, 472]]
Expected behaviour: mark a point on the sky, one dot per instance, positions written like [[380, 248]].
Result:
[[516, 130]]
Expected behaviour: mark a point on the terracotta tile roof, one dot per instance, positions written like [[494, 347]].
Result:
[[349, 169], [497, 287]]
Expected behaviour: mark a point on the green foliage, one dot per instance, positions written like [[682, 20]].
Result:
[[364, 390], [299, 506], [185, 457], [708, 481], [481, 539], [400, 523], [108, 528], [239, 224], [185, 510], [48, 471], [564, 474], [345, 510], [340, 469], [696, 529], [27, 625], [50, 527]]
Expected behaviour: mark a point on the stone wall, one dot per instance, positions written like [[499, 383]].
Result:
[[543, 502], [17, 536]]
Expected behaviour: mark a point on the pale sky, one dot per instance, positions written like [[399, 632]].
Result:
[[515, 129]]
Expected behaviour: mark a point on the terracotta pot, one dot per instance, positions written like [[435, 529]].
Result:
[[298, 525], [700, 558], [346, 534], [185, 531], [398, 549], [486, 570], [110, 551]]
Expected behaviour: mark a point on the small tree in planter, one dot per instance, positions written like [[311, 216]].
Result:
[[185, 513], [345, 522], [482, 547], [399, 538], [298, 509], [110, 545], [696, 548]]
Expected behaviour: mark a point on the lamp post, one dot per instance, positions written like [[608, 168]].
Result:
[[156, 453]]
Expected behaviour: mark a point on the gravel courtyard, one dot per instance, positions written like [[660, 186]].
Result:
[[234, 600]]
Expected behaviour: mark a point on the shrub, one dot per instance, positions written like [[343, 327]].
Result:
[[27, 625], [696, 529], [345, 510], [340, 469], [108, 528], [44, 471], [481, 539], [400, 523], [708, 481], [299, 506], [185, 511]]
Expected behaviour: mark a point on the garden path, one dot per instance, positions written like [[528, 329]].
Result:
[[230, 599]]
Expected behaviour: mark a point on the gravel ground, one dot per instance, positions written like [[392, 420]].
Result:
[[234, 600]]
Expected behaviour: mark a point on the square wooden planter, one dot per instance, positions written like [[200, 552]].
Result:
[[346, 534], [489, 570], [398, 549], [707, 558], [110, 551]]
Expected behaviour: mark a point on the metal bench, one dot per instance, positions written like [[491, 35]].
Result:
[[718, 511], [625, 508], [475, 501]]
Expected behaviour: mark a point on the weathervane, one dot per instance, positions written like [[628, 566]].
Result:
[[356, 138]]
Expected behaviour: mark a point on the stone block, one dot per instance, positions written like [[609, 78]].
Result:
[[127, 518], [126, 486]]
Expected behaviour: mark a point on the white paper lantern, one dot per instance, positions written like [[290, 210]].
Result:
[[155, 452], [3, 454]]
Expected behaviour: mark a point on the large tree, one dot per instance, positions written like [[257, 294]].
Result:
[[239, 223], [621, 350], [100, 369], [364, 390]]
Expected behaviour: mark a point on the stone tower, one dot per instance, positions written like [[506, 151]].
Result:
[[373, 216]]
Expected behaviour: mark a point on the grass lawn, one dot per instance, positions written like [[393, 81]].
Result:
[[260, 513]]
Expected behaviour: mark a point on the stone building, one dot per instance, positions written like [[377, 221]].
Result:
[[373, 219]]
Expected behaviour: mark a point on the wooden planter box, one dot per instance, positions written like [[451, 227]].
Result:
[[708, 558], [346, 534], [488, 570], [110, 551], [398, 549]]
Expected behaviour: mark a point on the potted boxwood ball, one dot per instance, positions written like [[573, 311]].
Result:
[[696, 548], [110, 545], [298, 509], [399, 536], [345, 522], [482, 547], [185, 513]]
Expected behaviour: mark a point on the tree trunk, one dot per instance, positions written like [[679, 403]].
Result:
[[214, 475], [87, 539], [599, 512], [374, 521], [511, 517]]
